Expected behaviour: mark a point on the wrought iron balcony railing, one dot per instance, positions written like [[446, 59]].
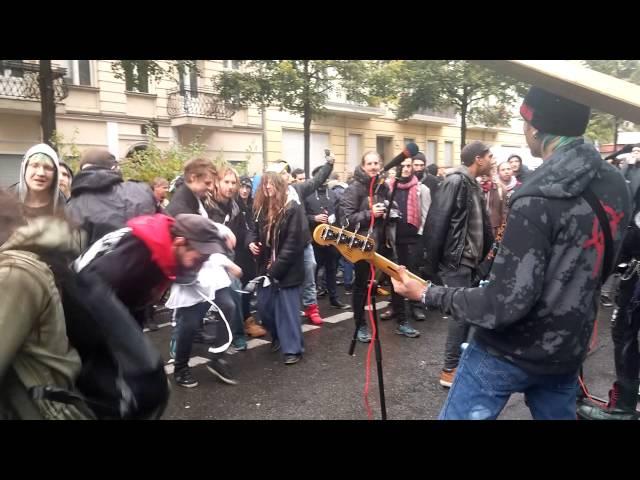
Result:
[[199, 103], [20, 80], [446, 113]]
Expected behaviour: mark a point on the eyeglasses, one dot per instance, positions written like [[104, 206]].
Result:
[[47, 167]]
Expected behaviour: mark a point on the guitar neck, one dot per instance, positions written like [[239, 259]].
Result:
[[392, 269]]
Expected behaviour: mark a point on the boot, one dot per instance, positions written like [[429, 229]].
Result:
[[253, 329], [623, 398], [313, 314]]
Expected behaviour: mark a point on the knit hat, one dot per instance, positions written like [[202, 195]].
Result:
[[555, 115], [420, 156]]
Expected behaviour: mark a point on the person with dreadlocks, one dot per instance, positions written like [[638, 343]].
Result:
[[535, 317], [278, 240]]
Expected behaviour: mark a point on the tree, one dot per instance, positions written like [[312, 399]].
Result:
[[136, 73], [299, 86], [477, 94], [604, 127], [47, 102], [145, 165]]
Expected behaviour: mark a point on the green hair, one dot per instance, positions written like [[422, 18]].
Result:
[[555, 141]]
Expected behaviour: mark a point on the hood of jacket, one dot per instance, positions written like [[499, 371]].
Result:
[[44, 234], [565, 174], [22, 184], [155, 232], [93, 179]]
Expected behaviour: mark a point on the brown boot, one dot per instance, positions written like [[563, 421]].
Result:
[[253, 329]]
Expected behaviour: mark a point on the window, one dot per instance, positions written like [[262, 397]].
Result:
[[189, 82], [136, 75], [448, 154], [78, 72], [384, 148], [432, 151], [354, 151], [231, 64], [293, 148], [9, 169]]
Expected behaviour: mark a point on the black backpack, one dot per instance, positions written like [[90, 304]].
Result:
[[122, 374]]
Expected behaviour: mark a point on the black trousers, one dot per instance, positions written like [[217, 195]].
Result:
[[327, 257], [407, 255], [360, 285], [190, 320], [625, 333]]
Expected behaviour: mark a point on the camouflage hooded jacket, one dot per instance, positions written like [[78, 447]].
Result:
[[539, 308]]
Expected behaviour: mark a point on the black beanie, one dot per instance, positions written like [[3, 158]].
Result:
[[552, 114], [420, 156]]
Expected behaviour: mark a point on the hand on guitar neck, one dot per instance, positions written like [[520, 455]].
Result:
[[356, 247]]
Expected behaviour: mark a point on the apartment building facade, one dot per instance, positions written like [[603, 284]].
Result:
[[95, 107]]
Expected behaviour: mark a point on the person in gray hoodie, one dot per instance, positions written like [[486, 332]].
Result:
[[536, 316], [38, 189]]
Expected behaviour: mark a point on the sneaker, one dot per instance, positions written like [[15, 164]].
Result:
[[338, 304], [313, 314], [253, 328], [383, 292], [419, 314], [363, 334], [388, 315], [446, 377], [407, 330], [220, 368], [275, 346], [348, 289], [321, 292], [183, 378], [290, 359], [605, 301], [240, 344]]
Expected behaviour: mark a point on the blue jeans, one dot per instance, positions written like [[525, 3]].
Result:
[[279, 310], [483, 384], [347, 268], [309, 286]]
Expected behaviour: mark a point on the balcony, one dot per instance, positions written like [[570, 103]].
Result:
[[19, 87], [200, 108], [446, 116], [338, 104]]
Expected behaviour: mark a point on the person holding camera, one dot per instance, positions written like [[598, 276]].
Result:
[[356, 214]]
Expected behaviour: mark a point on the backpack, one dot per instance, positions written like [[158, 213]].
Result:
[[122, 375]]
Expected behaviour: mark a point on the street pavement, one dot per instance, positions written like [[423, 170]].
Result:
[[328, 384]]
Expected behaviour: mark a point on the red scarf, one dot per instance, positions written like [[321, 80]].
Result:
[[413, 208]]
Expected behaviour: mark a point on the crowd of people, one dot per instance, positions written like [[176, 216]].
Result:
[[201, 243]]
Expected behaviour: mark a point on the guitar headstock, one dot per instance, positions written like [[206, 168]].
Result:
[[352, 246]]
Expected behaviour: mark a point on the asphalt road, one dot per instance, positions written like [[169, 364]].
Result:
[[328, 383]]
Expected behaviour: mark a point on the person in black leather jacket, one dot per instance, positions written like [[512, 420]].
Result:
[[458, 237], [355, 209]]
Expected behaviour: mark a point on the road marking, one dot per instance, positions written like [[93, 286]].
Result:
[[257, 342], [193, 362], [341, 317]]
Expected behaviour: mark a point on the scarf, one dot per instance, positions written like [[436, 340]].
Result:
[[512, 184], [413, 208], [487, 186]]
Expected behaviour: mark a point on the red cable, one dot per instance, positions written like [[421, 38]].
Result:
[[373, 327]]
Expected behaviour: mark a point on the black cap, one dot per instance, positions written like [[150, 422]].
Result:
[[245, 180], [556, 115], [420, 156], [201, 233]]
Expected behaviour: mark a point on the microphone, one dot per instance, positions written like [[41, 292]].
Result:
[[410, 150]]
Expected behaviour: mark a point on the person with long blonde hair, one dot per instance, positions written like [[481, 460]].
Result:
[[278, 240]]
